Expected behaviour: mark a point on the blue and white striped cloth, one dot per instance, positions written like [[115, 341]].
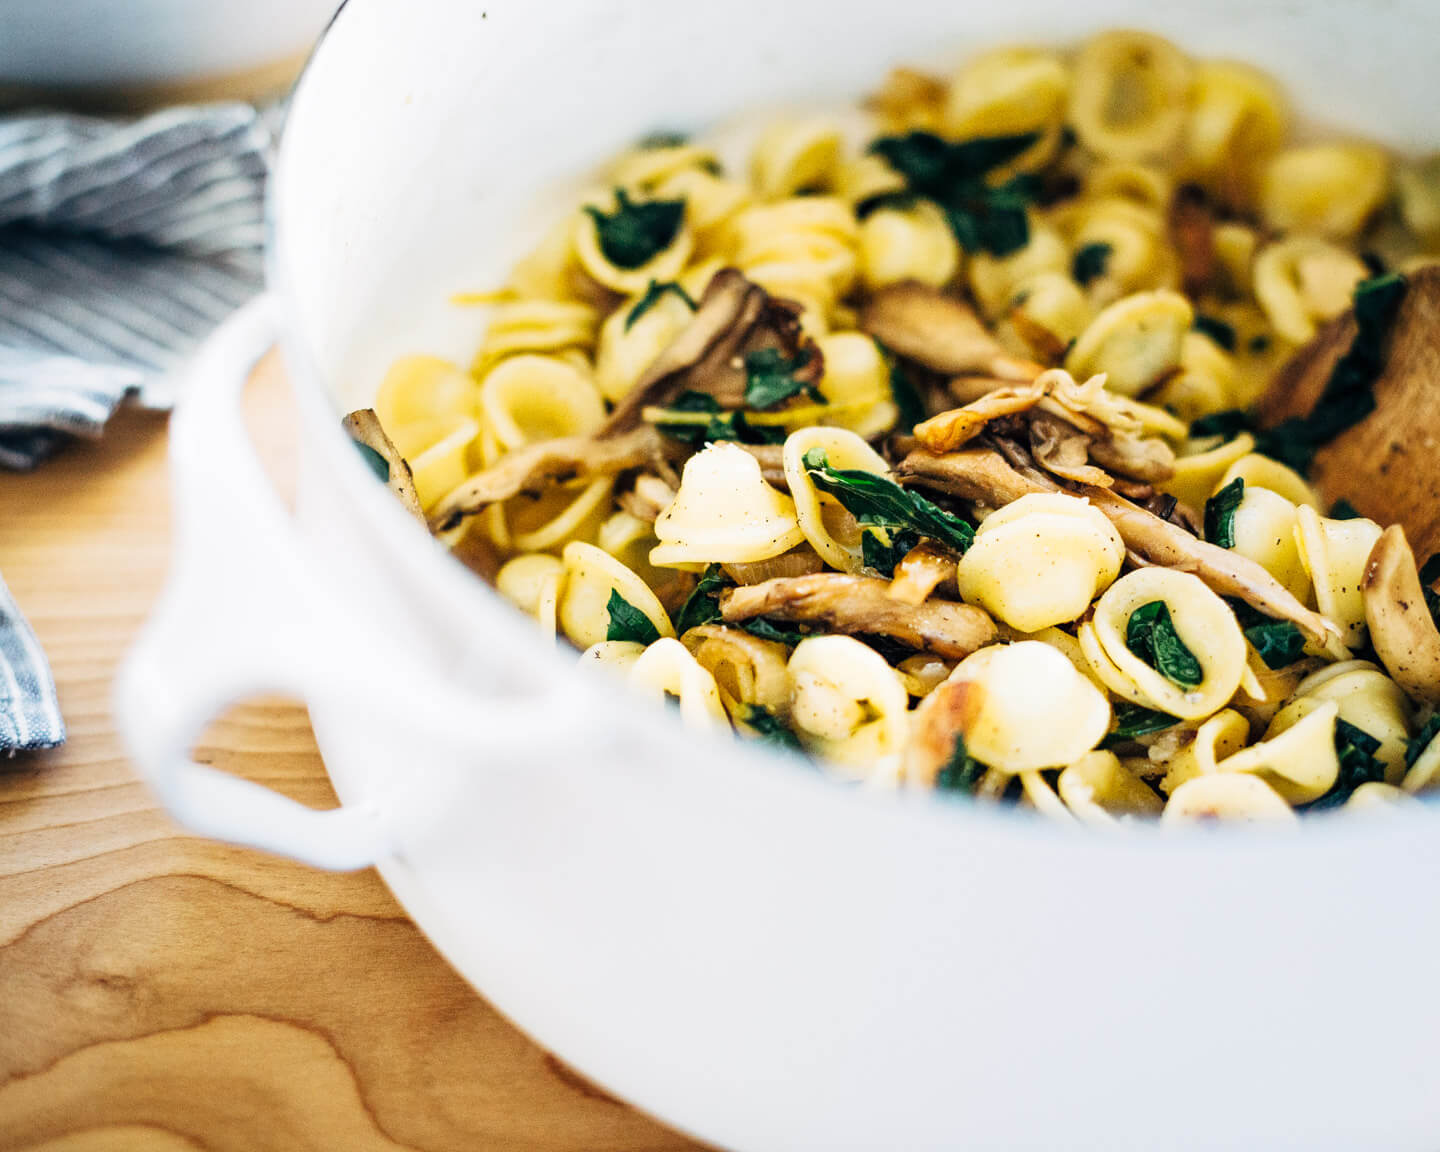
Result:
[[123, 243]]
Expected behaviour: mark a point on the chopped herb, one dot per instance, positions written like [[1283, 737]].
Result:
[[1150, 634], [1430, 570], [765, 630], [771, 378], [904, 393], [1277, 642], [1373, 262], [1219, 331], [1349, 393], [1259, 344], [770, 729], [1356, 749], [876, 501], [702, 606], [1090, 262], [894, 650], [994, 220], [898, 200], [1415, 747], [1229, 424], [1132, 721], [377, 463], [962, 772], [653, 295], [664, 139], [1342, 509], [984, 218], [882, 550], [685, 421], [1220, 513], [1429, 573], [627, 622], [634, 234]]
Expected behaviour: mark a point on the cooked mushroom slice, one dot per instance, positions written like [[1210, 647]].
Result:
[[1064, 451], [536, 467], [979, 475], [949, 430], [1192, 231], [1149, 460], [1404, 635], [647, 498], [923, 324], [923, 569], [364, 428], [984, 476], [863, 604], [735, 317]]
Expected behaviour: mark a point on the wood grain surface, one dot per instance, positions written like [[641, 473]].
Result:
[[160, 992]]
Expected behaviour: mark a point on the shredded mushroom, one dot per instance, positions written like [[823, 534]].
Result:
[[364, 428], [863, 604], [1401, 629]]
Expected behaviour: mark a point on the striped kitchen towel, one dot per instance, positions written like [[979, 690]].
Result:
[[29, 711], [123, 243]]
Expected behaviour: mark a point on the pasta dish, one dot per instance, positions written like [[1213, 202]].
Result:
[[972, 452]]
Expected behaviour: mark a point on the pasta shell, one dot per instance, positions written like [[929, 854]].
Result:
[[725, 513]]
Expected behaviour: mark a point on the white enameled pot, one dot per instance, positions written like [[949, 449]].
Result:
[[729, 940]]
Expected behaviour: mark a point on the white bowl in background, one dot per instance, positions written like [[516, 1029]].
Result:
[[729, 940], [89, 47]]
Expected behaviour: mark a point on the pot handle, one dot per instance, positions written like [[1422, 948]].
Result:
[[238, 616]]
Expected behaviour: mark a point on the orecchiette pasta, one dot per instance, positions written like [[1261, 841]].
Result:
[[930, 455], [1100, 790], [422, 400], [518, 326], [998, 687], [1201, 622], [666, 669], [1328, 189], [1237, 119], [795, 156], [1297, 757], [1013, 91], [847, 703], [824, 522], [1234, 798], [995, 281], [592, 580], [911, 243], [1040, 561], [628, 272], [1129, 96], [725, 513], [1134, 341], [1264, 525], [1334, 553], [532, 583], [1301, 281]]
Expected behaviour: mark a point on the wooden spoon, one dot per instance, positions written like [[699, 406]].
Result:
[[1387, 465]]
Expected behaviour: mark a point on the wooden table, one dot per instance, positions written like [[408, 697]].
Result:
[[160, 992]]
